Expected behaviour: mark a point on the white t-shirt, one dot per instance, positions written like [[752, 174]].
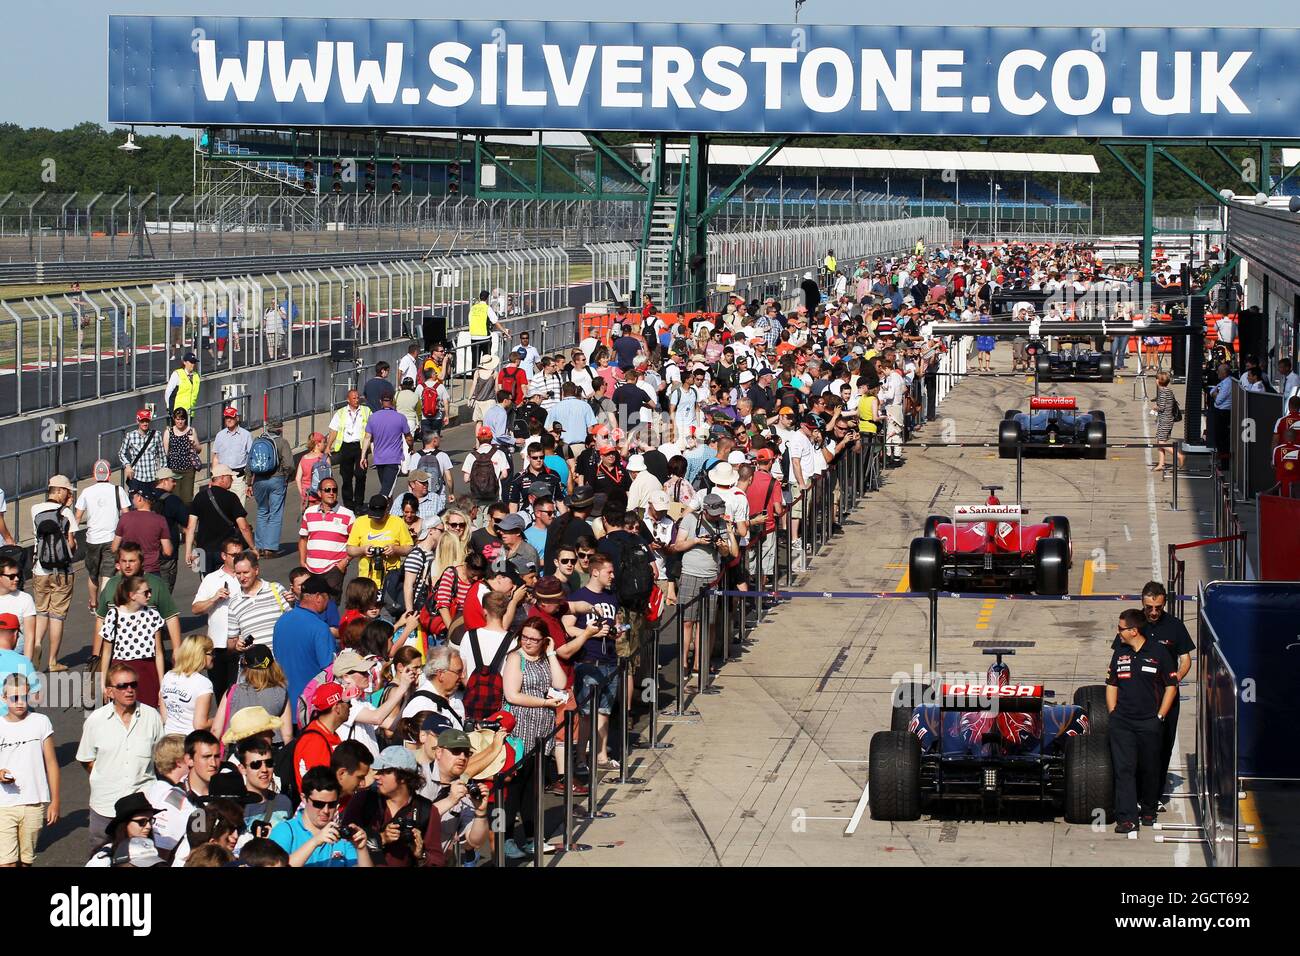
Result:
[[38, 512], [588, 345], [419, 705], [801, 447], [489, 642], [180, 692], [219, 616], [103, 502], [362, 733], [174, 809], [21, 742], [499, 459]]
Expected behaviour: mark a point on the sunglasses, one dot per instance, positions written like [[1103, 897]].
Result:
[[142, 821], [323, 804], [546, 511], [327, 491], [11, 577], [126, 685], [258, 764], [566, 560], [457, 525], [586, 554]]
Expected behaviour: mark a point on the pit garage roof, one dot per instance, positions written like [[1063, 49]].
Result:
[[886, 159]]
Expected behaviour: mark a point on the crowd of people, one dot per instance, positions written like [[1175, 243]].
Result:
[[444, 617]]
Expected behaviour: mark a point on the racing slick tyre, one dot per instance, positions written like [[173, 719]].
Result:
[[1092, 698], [1061, 529], [1097, 416], [906, 698], [1009, 414], [1009, 436], [925, 565], [1094, 437], [932, 525], [1043, 368], [1106, 368], [1051, 566], [894, 769], [1089, 780]]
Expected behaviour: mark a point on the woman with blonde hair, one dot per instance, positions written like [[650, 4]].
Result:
[[186, 692], [1164, 406], [261, 684], [455, 541]]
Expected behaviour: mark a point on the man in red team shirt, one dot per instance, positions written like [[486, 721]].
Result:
[[320, 737]]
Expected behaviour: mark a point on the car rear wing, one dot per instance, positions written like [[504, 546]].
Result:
[[1004, 698], [1053, 403], [971, 514]]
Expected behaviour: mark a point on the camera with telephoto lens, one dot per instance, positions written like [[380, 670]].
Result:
[[407, 827], [473, 725]]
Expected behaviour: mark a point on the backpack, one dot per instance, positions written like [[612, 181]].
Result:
[[262, 456], [320, 471], [429, 463], [635, 577], [51, 551], [483, 482], [484, 691], [393, 593], [429, 402], [302, 708], [283, 765]]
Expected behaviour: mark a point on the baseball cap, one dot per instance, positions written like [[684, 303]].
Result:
[[9, 622], [395, 758], [230, 411], [326, 696], [483, 433], [522, 566], [811, 420], [102, 470], [138, 852], [377, 507], [350, 662], [660, 501], [454, 740], [256, 657], [737, 457], [786, 410], [714, 506], [189, 357], [164, 474], [315, 584], [511, 522], [765, 454], [144, 415], [435, 723], [418, 474], [221, 471]]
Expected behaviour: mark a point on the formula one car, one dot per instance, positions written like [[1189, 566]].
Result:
[[991, 743], [1053, 424], [991, 546], [1072, 365]]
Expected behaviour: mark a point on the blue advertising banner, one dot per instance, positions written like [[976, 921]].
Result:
[[702, 77]]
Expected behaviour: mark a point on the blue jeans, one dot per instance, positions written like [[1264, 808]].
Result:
[[1119, 349], [269, 493], [387, 479], [589, 676]]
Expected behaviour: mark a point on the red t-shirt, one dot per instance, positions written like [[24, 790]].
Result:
[[513, 379], [313, 749], [763, 497], [147, 529], [473, 608]]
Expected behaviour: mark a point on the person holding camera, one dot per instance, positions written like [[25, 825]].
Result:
[[704, 538], [401, 826], [314, 837], [462, 805]]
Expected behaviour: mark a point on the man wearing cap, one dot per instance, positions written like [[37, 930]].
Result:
[[643, 484], [484, 453], [220, 515], [301, 640], [13, 661], [445, 756], [346, 430], [116, 748], [388, 435], [319, 738], [52, 586], [180, 522], [230, 447], [98, 508], [145, 528], [378, 530], [511, 529], [183, 386], [393, 812], [141, 452]]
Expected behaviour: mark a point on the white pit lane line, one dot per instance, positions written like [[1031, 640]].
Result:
[[859, 810], [1182, 853]]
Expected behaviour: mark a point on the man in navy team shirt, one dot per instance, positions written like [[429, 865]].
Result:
[[596, 633]]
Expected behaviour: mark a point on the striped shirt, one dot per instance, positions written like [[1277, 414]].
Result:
[[327, 536], [548, 387], [148, 462], [255, 614]]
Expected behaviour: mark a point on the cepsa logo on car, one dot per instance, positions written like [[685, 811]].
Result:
[[992, 690]]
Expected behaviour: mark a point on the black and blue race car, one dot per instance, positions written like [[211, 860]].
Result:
[[992, 743], [1072, 364], [1053, 424]]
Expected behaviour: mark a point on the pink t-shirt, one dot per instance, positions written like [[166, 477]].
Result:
[[305, 466]]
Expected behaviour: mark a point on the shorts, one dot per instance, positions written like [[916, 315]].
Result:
[[589, 677], [53, 595], [19, 827], [628, 643], [797, 504], [95, 554], [688, 589]]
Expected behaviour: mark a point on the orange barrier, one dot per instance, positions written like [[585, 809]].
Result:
[[591, 325]]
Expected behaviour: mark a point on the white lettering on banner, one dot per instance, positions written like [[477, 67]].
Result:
[[934, 79], [613, 74], [773, 59], [1012, 63], [877, 77], [285, 84], [446, 62], [1152, 101], [488, 84], [516, 95], [842, 93], [569, 87], [717, 67], [1216, 82], [670, 69], [359, 81], [1095, 71], [217, 83]]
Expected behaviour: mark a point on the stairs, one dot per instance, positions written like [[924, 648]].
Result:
[[655, 256]]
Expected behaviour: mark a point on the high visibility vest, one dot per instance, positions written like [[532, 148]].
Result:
[[829, 263], [187, 392], [343, 417], [478, 320]]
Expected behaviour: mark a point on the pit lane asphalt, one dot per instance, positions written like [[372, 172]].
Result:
[[773, 770]]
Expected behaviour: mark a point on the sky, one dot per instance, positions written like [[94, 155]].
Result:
[[54, 69]]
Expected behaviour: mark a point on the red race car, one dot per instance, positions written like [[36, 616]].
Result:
[[991, 546]]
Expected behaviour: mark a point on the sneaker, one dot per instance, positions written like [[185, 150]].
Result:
[[1124, 826], [557, 788], [1147, 820], [515, 852]]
